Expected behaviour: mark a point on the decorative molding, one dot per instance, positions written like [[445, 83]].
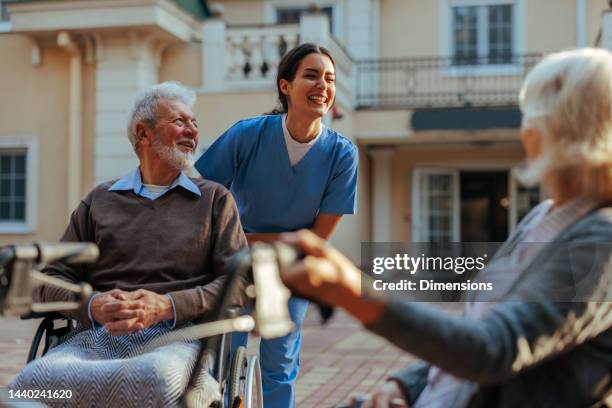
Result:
[[90, 49], [36, 54], [135, 45], [64, 40], [158, 51], [99, 42], [162, 16], [146, 46]]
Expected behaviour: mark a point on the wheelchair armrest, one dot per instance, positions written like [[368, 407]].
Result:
[[229, 313]]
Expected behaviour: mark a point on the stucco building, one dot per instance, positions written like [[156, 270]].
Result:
[[427, 89]]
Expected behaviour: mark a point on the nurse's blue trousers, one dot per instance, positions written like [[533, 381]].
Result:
[[280, 359]]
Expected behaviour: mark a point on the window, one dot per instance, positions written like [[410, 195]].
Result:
[[289, 12], [435, 210], [12, 185], [17, 185], [292, 15], [482, 33]]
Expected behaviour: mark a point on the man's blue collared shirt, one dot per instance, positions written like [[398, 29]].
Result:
[[133, 181]]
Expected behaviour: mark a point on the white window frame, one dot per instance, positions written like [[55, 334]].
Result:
[[513, 185], [270, 7], [417, 216], [30, 144], [519, 35], [5, 26]]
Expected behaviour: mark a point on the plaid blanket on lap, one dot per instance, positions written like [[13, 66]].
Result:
[[103, 370]]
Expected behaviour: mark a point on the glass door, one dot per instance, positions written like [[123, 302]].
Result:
[[435, 205]]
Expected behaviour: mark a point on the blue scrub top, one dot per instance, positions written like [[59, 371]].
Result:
[[251, 159]]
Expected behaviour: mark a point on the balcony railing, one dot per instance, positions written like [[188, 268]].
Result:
[[253, 52], [244, 57], [415, 83]]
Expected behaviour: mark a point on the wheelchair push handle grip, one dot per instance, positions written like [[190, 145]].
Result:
[[43, 253], [69, 252], [19, 276]]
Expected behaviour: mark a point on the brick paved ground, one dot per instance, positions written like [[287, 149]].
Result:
[[342, 359], [338, 360]]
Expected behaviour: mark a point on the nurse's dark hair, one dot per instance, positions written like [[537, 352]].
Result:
[[288, 66]]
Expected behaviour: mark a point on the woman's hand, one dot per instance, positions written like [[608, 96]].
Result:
[[322, 272], [327, 276]]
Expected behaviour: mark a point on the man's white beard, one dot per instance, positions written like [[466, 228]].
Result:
[[172, 155]]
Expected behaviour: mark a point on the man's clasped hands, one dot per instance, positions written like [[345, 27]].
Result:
[[122, 312]]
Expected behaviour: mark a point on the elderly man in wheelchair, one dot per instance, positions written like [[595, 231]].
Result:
[[165, 241]]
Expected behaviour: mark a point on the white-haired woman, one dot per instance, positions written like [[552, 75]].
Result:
[[552, 344]]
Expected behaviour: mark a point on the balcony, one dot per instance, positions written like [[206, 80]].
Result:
[[244, 58], [238, 58], [430, 83]]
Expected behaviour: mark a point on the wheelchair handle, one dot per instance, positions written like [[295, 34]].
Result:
[[68, 252], [18, 277]]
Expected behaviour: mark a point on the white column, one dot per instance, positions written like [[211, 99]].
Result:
[[606, 30], [128, 66], [381, 194], [314, 28], [75, 106], [214, 51]]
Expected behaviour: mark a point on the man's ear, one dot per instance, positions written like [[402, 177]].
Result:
[[284, 85], [143, 134]]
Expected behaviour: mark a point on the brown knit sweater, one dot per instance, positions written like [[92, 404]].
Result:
[[178, 244]]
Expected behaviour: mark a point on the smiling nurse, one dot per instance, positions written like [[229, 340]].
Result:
[[288, 171]]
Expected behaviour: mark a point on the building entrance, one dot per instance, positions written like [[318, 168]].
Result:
[[484, 206]]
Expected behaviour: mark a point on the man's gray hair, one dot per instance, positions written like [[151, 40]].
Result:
[[145, 105]]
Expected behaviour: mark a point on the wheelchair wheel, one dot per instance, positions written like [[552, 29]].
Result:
[[237, 378], [245, 381]]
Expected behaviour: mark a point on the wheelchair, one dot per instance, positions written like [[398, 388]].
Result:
[[238, 375]]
